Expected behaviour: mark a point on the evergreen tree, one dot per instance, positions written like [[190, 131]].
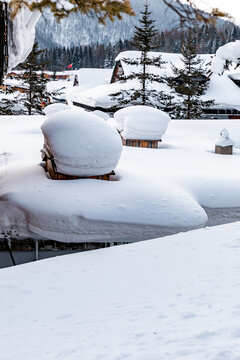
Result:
[[142, 40], [189, 83], [34, 79]]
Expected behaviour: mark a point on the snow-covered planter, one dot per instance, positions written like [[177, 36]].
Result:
[[141, 126], [79, 144], [224, 144]]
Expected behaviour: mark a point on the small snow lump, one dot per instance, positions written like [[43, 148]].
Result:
[[224, 139]]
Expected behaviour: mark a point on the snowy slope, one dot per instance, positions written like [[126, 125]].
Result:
[[79, 29], [170, 298]]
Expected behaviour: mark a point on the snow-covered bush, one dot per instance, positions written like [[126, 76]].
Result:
[[142, 122], [82, 143]]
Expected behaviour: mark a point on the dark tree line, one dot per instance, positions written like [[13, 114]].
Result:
[[90, 56], [206, 39]]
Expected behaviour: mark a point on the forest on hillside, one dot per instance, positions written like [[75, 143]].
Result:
[[207, 40]]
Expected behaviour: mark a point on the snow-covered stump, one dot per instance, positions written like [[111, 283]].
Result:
[[141, 126], [224, 145], [50, 168], [78, 144]]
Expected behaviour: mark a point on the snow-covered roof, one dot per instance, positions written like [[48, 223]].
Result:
[[99, 96], [166, 69], [87, 79], [223, 91], [82, 143], [142, 122], [93, 76]]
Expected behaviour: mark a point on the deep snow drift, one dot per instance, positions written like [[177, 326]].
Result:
[[170, 298], [155, 189]]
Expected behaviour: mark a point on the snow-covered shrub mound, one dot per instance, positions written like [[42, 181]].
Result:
[[142, 122], [54, 108], [82, 143]]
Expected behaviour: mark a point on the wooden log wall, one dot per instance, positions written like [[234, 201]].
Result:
[[152, 144], [52, 171]]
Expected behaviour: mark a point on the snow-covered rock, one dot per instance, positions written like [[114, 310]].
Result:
[[142, 122], [224, 139], [82, 143]]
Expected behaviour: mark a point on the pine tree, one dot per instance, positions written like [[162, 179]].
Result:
[[142, 41], [189, 83], [34, 79]]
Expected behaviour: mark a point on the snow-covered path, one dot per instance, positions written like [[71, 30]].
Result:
[[176, 297]]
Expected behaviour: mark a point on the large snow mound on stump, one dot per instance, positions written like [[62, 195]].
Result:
[[82, 143], [142, 122]]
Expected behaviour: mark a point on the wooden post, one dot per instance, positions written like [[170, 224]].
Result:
[[3, 40], [36, 250], [8, 244]]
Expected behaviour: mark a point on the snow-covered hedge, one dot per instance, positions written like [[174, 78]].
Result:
[[82, 143]]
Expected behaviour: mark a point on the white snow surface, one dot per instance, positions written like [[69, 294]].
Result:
[[82, 143], [164, 187], [166, 69], [223, 91], [87, 79], [22, 35], [171, 298], [54, 108], [142, 122]]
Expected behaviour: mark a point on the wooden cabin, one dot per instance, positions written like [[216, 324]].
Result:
[[117, 72]]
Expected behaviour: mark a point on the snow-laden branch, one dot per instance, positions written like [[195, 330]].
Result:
[[229, 52]]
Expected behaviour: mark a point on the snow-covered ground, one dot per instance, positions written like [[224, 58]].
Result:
[[156, 191], [175, 298]]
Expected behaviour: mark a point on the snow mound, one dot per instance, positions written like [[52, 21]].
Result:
[[142, 122], [224, 139], [82, 143], [54, 108]]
